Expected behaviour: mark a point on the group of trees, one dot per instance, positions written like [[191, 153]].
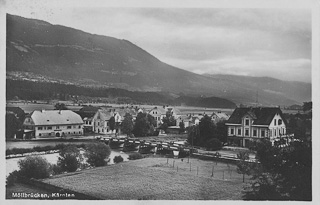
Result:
[[207, 134], [70, 159], [145, 125], [280, 173]]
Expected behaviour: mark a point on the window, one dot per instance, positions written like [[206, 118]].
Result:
[[79, 126], [49, 134], [247, 132], [231, 131], [74, 132], [39, 135], [57, 127], [98, 123], [247, 122], [263, 133], [69, 133], [254, 133], [275, 132], [49, 128], [279, 132], [239, 131], [79, 132], [275, 122], [279, 122], [69, 127], [39, 128]]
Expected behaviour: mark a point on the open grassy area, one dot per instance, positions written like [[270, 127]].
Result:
[[153, 178]]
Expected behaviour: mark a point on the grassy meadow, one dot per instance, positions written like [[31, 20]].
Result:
[[153, 178]]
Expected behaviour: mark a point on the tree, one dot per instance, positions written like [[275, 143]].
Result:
[[34, 167], [96, 153], [167, 121], [221, 131], [69, 158], [207, 130], [12, 125], [213, 144], [182, 128], [112, 123], [243, 164], [60, 106], [144, 126], [307, 106], [127, 124], [282, 174], [193, 135]]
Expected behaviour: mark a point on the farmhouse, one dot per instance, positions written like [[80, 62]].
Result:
[[158, 113], [52, 123], [249, 124]]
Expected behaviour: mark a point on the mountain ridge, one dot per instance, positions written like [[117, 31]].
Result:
[[73, 55]]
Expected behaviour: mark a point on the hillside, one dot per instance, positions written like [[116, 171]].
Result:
[[73, 56]]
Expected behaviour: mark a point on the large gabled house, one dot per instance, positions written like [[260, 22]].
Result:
[[158, 113], [52, 123], [248, 124]]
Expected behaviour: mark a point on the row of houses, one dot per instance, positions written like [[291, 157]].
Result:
[[59, 123], [244, 125]]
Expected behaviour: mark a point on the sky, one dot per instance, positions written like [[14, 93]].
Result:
[[273, 42]]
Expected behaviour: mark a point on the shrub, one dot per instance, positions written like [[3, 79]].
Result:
[[135, 156], [117, 159], [56, 169], [34, 167], [96, 153], [12, 178], [214, 144], [69, 158]]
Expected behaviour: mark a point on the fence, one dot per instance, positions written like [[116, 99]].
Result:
[[213, 169]]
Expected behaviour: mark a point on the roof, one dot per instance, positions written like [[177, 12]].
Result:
[[221, 115], [55, 117], [16, 110], [161, 110], [104, 114], [261, 115], [174, 110]]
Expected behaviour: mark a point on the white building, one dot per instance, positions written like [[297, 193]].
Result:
[[53, 123], [248, 124]]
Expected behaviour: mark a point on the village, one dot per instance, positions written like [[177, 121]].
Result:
[[152, 132]]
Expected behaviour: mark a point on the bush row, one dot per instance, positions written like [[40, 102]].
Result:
[[40, 149]]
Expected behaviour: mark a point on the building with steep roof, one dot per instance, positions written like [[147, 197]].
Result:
[[53, 123], [158, 113], [248, 124], [219, 116]]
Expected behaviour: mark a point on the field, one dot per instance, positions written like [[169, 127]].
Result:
[[153, 178]]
